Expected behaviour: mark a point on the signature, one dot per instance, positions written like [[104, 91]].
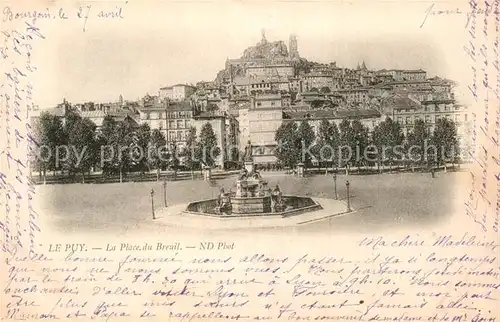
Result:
[[475, 10]]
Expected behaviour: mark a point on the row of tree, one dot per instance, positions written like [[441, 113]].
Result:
[[72, 146], [351, 144]]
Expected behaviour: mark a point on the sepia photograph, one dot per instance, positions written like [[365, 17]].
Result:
[[249, 160], [259, 127]]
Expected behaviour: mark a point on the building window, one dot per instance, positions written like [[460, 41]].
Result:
[[408, 120], [180, 135], [180, 124], [465, 116]]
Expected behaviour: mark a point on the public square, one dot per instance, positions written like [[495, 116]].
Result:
[[383, 201]]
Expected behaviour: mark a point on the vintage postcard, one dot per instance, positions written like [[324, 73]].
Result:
[[250, 160]]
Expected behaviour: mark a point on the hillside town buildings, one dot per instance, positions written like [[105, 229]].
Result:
[[271, 84], [176, 92]]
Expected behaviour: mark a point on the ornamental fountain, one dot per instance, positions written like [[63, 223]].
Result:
[[252, 197]]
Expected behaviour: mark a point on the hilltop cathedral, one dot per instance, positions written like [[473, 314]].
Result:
[[264, 59]]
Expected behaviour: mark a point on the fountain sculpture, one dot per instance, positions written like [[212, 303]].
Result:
[[252, 197]]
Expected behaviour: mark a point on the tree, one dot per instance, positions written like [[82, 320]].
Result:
[[208, 144], [141, 138], [388, 138], [173, 157], [317, 103], [286, 137], [360, 141], [233, 153], [49, 135], [82, 147], [123, 140], [306, 137], [157, 157], [71, 119], [314, 89], [192, 153], [415, 143], [327, 144], [325, 90], [105, 139], [445, 140], [116, 140], [346, 135]]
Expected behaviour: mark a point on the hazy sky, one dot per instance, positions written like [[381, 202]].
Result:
[[167, 43]]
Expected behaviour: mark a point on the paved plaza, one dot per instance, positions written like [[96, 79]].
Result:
[[380, 201]]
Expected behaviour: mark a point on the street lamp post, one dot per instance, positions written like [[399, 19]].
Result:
[[165, 192], [335, 185], [348, 196], [152, 203]]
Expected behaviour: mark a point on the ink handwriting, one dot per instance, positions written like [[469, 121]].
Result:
[[428, 278]]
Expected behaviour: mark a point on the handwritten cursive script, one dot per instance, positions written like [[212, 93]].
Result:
[[414, 277]]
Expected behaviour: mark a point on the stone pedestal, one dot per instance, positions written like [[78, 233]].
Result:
[[300, 170], [207, 173], [251, 205], [249, 166]]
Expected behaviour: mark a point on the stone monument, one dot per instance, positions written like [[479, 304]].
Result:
[[300, 170], [223, 203], [252, 192], [207, 173], [277, 202]]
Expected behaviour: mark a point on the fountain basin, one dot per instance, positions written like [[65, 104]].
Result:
[[294, 205]]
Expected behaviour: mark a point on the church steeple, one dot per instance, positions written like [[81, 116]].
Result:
[[293, 50]]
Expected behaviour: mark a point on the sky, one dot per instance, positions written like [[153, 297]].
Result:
[[158, 44]]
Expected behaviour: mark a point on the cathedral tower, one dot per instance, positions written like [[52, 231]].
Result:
[[293, 50]]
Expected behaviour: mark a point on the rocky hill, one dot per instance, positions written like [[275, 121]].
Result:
[[271, 51]]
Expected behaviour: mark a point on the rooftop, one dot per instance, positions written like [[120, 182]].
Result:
[[180, 106], [267, 97], [398, 102], [332, 114], [178, 85]]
